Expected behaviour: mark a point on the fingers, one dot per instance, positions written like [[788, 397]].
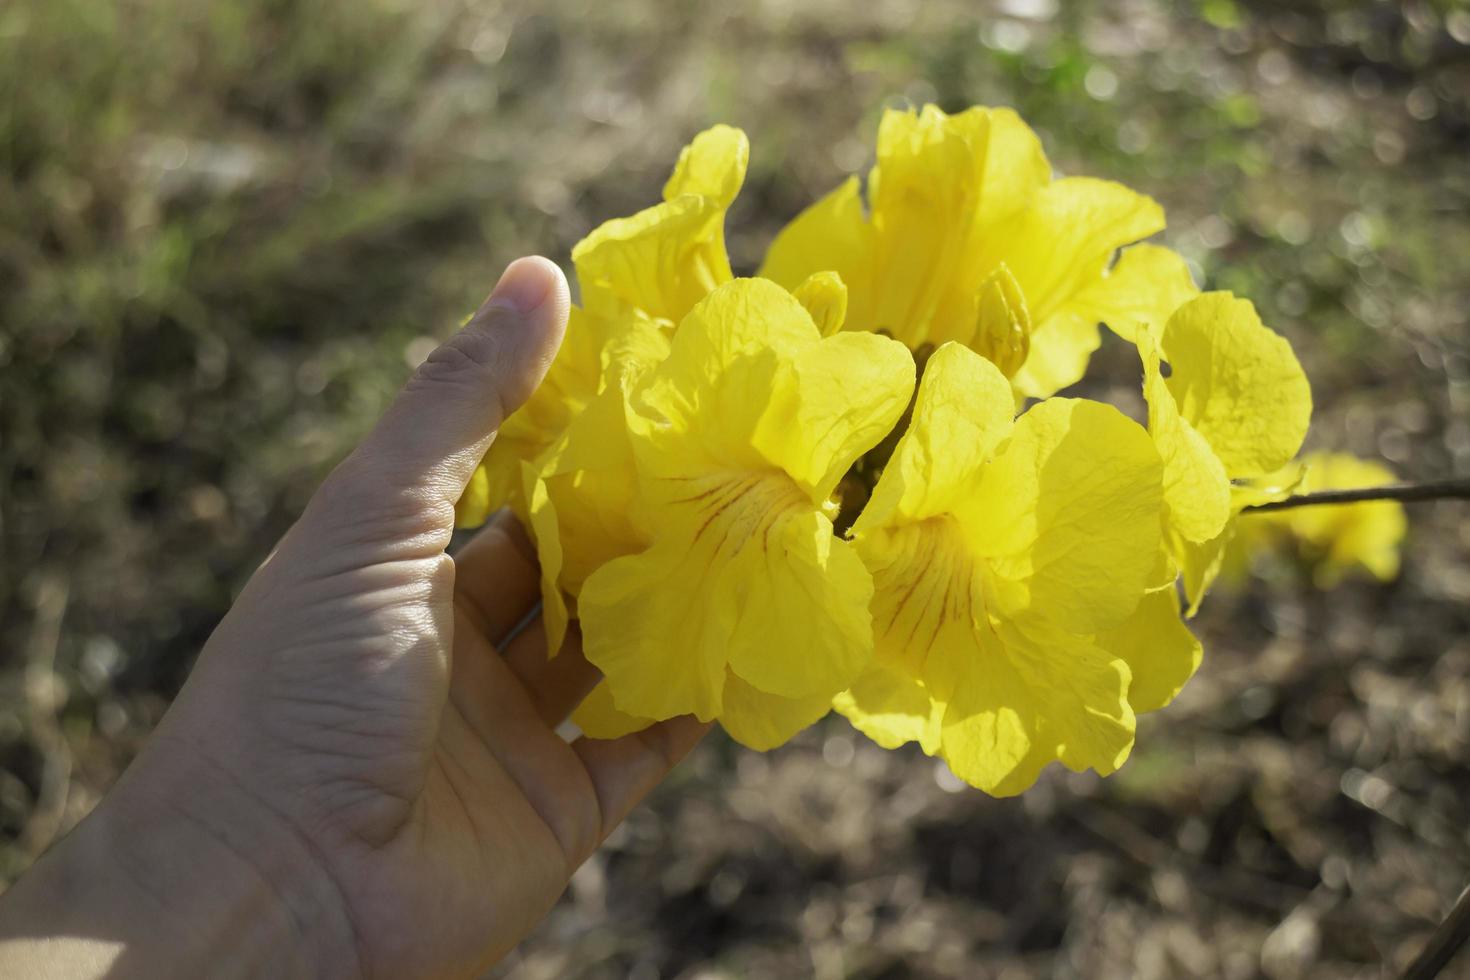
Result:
[[496, 577], [556, 684], [624, 770], [433, 435]]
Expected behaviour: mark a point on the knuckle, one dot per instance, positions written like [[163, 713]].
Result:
[[482, 359], [354, 501], [477, 352]]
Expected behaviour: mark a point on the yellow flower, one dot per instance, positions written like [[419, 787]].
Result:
[[1334, 540], [664, 259], [958, 200], [1003, 556], [1233, 409], [744, 605], [654, 265], [581, 502]]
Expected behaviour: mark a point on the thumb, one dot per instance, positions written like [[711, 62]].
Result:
[[430, 440]]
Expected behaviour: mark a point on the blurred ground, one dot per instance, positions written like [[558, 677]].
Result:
[[227, 230]]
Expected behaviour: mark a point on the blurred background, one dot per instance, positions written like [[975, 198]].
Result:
[[229, 229]]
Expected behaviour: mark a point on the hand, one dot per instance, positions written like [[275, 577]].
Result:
[[362, 776]]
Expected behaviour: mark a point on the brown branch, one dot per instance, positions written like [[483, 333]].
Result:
[[1448, 938], [1406, 493]]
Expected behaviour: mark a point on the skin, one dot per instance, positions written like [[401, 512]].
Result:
[[362, 776]]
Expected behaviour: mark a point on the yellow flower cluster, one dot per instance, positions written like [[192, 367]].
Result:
[[767, 498]]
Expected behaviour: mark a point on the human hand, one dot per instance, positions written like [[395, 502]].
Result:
[[362, 775]]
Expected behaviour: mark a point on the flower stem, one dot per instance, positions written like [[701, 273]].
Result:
[[1458, 489], [1442, 946]]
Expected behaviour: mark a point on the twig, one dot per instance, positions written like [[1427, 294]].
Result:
[[1448, 938], [1403, 492]]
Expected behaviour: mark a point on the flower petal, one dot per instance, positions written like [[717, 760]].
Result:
[[1059, 358], [1068, 515], [924, 601], [942, 182], [1058, 249], [1160, 651], [890, 707], [1238, 383], [1335, 540], [1059, 696], [712, 165], [803, 627], [659, 660], [546, 532], [817, 424], [1145, 287], [1200, 563], [1196, 489], [830, 236], [1016, 167], [963, 411], [744, 568], [762, 721], [598, 717], [660, 261]]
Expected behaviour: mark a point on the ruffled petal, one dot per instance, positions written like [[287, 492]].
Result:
[[1196, 489], [1068, 516], [963, 411], [1144, 288], [660, 657], [712, 165], [664, 259], [1078, 696], [891, 707], [545, 531], [813, 427], [751, 383], [1058, 250], [598, 716], [1237, 383], [1160, 651], [762, 721], [1059, 247], [660, 261], [1031, 695], [803, 627], [832, 235]]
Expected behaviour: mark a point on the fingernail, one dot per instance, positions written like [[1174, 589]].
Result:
[[523, 286]]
